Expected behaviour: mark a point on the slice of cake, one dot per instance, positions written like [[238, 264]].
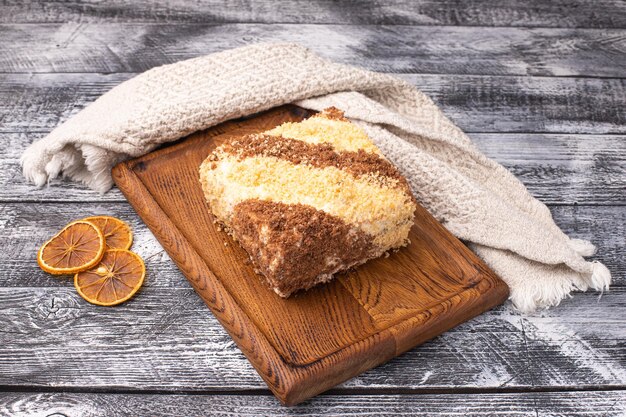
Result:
[[307, 200]]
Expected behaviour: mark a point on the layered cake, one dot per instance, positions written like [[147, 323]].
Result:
[[307, 200]]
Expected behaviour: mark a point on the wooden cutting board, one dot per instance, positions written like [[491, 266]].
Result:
[[316, 339]]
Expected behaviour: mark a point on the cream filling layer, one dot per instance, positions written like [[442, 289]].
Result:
[[386, 213], [342, 135]]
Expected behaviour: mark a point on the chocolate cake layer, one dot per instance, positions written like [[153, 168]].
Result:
[[283, 240], [320, 155]]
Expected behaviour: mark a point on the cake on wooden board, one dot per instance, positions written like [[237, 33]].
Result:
[[307, 200]]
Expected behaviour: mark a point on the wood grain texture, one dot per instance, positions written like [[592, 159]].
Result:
[[570, 169], [166, 339], [39, 102], [561, 13], [335, 331], [135, 47], [540, 404]]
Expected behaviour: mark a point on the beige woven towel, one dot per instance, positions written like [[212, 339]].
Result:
[[474, 197]]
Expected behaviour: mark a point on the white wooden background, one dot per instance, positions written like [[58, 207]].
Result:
[[539, 85]]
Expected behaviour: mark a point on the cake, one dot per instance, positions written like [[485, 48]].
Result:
[[307, 200]]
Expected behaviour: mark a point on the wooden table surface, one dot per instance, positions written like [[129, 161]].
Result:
[[539, 86]]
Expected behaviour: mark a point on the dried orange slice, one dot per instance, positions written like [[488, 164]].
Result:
[[117, 233], [114, 280], [79, 246]]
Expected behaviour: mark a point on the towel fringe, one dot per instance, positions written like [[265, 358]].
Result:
[[600, 277]]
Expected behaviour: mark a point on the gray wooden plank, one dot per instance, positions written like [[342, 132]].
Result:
[[560, 13], [477, 104], [540, 404], [136, 47], [39, 102], [563, 168], [480, 104], [24, 227], [166, 339], [560, 169]]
